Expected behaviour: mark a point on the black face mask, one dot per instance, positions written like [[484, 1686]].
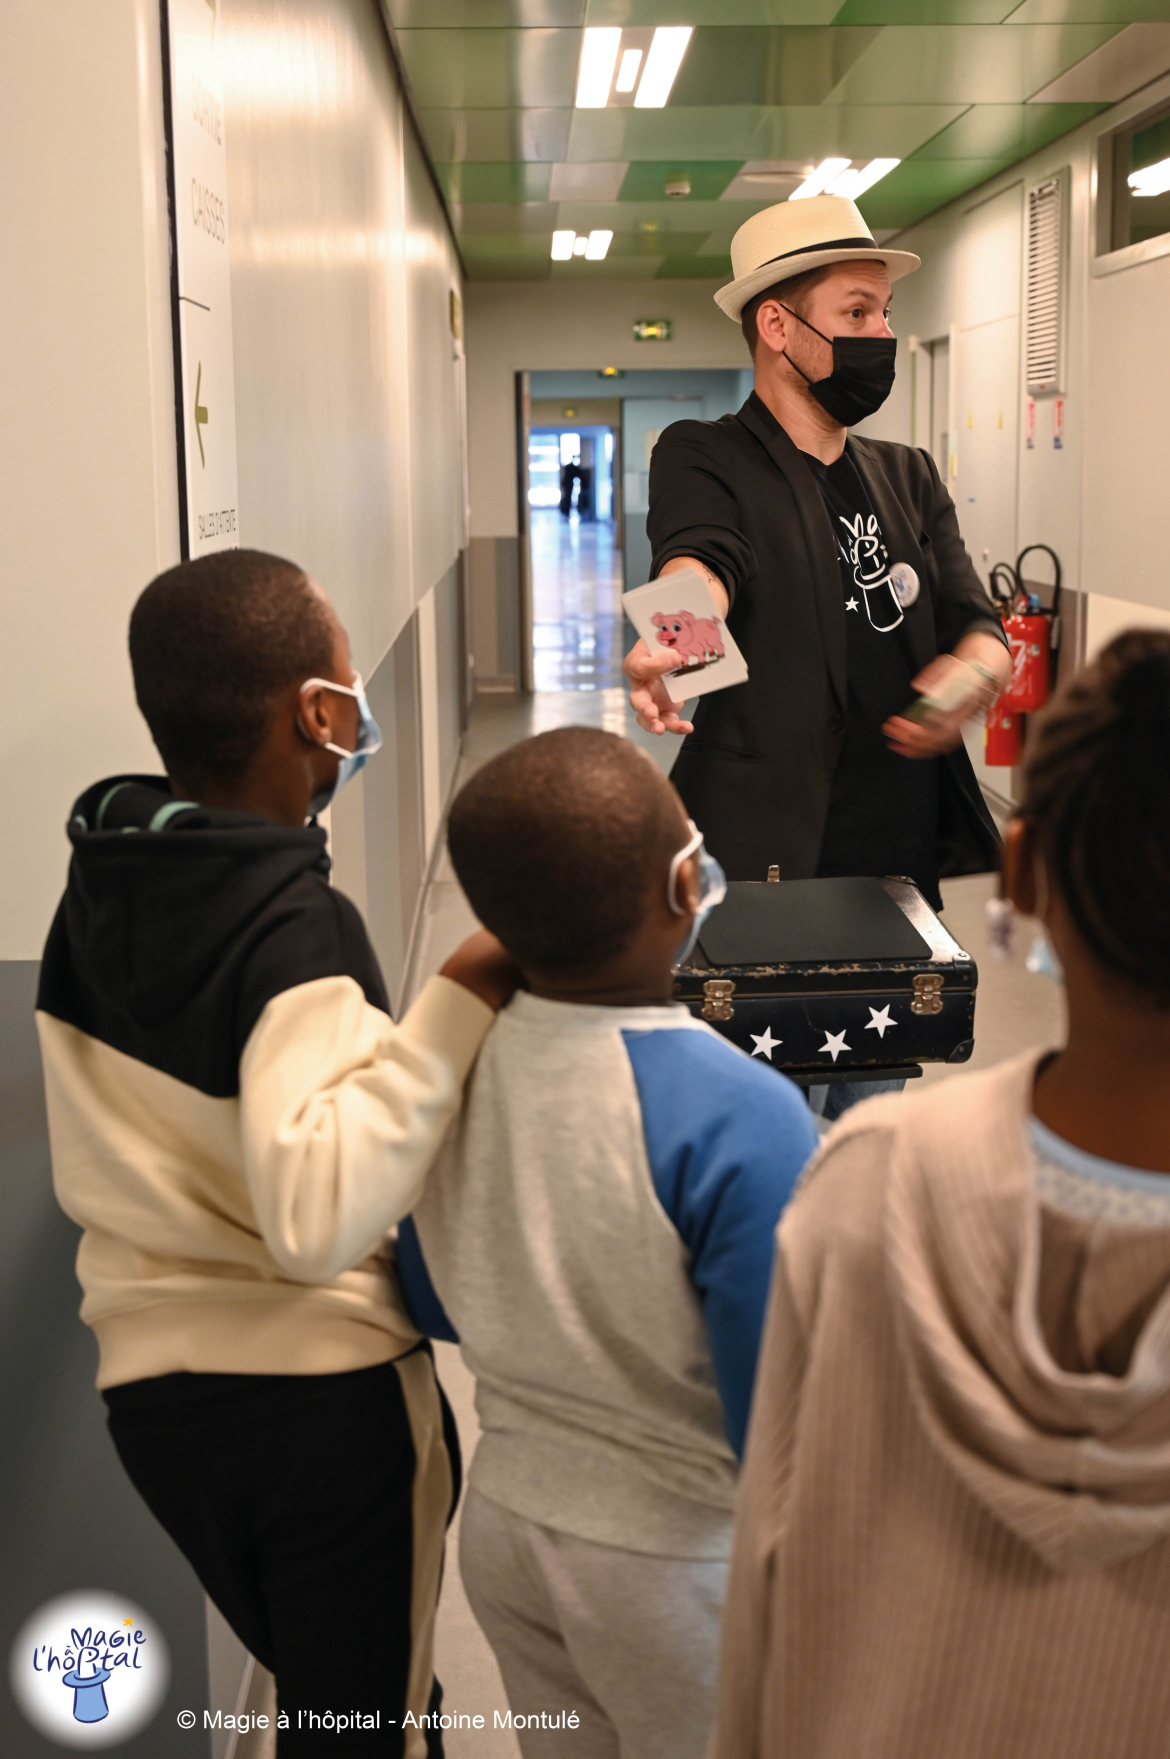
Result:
[[862, 375]]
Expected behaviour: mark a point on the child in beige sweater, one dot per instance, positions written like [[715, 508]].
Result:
[[954, 1531]]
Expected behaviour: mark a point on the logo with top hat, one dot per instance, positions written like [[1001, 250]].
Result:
[[89, 1670]]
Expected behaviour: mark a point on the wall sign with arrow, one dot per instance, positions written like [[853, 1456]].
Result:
[[200, 277]]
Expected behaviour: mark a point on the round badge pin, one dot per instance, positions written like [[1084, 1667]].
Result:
[[905, 584]]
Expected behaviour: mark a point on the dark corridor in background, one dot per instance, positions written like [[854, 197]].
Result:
[[583, 559]]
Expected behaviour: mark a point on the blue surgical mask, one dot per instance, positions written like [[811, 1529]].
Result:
[[1042, 960], [369, 740], [712, 889]]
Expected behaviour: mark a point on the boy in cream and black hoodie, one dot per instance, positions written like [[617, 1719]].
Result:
[[235, 1123]]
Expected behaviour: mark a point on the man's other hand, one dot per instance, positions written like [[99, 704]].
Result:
[[484, 966], [939, 732], [648, 695]]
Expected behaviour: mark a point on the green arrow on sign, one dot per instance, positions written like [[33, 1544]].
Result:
[[200, 414]]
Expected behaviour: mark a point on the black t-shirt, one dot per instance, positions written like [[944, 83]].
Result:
[[883, 809]]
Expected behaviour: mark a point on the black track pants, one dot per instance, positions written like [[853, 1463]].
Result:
[[313, 1510]]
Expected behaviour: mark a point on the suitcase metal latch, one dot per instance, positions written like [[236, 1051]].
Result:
[[926, 993], [717, 994]]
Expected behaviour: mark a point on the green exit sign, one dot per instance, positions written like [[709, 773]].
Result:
[[652, 330]]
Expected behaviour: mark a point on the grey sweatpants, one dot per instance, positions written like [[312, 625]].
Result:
[[627, 1640]]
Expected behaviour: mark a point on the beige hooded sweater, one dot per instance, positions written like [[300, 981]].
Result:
[[953, 1538]]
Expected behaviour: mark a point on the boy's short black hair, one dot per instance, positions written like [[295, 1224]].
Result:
[[213, 644], [557, 843]]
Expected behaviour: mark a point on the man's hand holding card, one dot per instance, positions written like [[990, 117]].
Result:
[[685, 651]]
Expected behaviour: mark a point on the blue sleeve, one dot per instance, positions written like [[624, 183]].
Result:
[[418, 1291], [726, 1140]]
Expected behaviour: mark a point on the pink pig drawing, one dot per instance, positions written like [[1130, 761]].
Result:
[[696, 640]]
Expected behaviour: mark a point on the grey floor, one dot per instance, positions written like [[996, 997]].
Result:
[[576, 602], [1014, 1010]]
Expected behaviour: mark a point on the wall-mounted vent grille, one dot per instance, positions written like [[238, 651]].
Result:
[[1046, 286]]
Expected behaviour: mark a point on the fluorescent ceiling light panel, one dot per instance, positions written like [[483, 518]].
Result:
[[662, 63], [598, 244], [1151, 179], [817, 181], [599, 50], [855, 183], [627, 77], [562, 246], [580, 246]]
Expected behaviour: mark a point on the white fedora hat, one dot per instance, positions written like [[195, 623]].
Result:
[[792, 238]]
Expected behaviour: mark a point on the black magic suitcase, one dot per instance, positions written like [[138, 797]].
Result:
[[833, 979]]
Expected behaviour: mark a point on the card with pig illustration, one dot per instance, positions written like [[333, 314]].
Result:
[[678, 615]]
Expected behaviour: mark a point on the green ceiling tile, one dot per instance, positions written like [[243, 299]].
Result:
[[966, 63], [491, 181], [746, 12], [539, 217], [860, 131], [924, 11], [626, 218], [515, 246], [918, 186], [762, 65], [725, 132], [670, 216], [641, 245], [1119, 12], [695, 268], [611, 268], [504, 269], [459, 136], [645, 179], [525, 69], [443, 14], [1007, 131]]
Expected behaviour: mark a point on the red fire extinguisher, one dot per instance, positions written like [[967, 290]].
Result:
[[1027, 633], [1003, 736], [1033, 633]]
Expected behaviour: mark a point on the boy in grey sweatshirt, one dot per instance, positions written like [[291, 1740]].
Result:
[[598, 1227]]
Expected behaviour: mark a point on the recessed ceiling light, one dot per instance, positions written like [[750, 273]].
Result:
[[662, 63], [599, 49], [1151, 179], [855, 183], [817, 180], [597, 245], [562, 246], [627, 77], [580, 246]]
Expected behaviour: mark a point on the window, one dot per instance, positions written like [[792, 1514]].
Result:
[[1141, 182], [1133, 190]]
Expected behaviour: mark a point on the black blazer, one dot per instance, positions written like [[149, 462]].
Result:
[[755, 774]]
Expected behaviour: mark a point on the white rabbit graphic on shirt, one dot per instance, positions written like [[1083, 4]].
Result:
[[865, 552]]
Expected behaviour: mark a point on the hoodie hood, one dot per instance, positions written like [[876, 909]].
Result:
[[159, 889], [1073, 1458]]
